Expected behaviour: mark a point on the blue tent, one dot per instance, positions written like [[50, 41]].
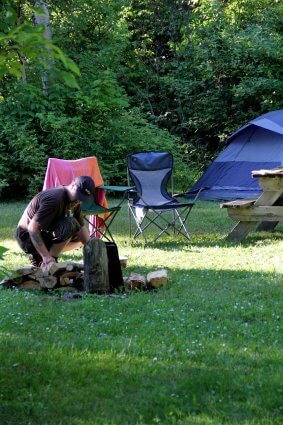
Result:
[[257, 145]]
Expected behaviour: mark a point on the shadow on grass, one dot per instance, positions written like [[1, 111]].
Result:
[[208, 240], [180, 355], [103, 389]]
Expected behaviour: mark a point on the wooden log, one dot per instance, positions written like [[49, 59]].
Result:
[[57, 268], [26, 270], [67, 289], [71, 275], [96, 276], [136, 281], [30, 284], [7, 283], [157, 278], [16, 280], [47, 282], [19, 276], [70, 278], [75, 266], [123, 261], [65, 281], [37, 274], [53, 268]]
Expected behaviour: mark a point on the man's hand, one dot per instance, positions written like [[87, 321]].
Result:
[[47, 262]]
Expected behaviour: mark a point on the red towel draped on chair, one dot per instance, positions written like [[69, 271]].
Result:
[[63, 171]]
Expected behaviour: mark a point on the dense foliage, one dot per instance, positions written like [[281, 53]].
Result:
[[177, 76]]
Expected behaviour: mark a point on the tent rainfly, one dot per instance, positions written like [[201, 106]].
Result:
[[257, 145]]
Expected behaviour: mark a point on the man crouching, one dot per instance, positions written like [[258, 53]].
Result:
[[53, 222]]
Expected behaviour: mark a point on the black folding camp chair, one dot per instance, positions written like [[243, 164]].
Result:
[[105, 215], [152, 204], [98, 214]]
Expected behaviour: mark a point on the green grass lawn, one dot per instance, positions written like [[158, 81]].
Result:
[[204, 350]]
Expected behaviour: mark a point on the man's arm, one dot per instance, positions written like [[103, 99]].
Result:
[[83, 235], [82, 238], [35, 235]]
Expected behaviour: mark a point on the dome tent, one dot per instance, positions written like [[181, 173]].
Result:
[[257, 145]]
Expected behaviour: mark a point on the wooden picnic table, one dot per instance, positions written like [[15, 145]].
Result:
[[263, 213]]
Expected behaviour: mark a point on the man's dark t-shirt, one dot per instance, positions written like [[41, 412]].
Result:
[[47, 207]]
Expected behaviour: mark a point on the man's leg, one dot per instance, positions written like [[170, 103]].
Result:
[[25, 243], [75, 241], [80, 239], [56, 249]]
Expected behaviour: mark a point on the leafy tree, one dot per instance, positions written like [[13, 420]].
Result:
[[21, 43], [177, 76], [219, 67], [96, 120]]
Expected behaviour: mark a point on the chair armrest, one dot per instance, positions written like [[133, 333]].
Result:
[[116, 188], [180, 195], [125, 190]]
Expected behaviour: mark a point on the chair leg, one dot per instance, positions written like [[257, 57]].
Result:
[[139, 230], [105, 233], [177, 223], [182, 229]]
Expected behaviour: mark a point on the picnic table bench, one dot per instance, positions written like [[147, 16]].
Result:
[[263, 213]]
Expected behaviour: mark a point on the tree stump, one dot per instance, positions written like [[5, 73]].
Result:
[[96, 277]]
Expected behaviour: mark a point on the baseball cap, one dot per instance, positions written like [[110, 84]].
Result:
[[85, 189]]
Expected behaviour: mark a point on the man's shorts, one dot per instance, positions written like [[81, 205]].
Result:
[[66, 228]]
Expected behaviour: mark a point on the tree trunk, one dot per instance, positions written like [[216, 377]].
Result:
[[44, 19], [22, 59]]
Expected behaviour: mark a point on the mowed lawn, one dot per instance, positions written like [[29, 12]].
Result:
[[206, 349]]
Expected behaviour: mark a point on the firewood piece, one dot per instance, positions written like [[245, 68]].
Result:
[[53, 268], [74, 266], [16, 280], [123, 261], [13, 280], [71, 275], [64, 281], [37, 274], [67, 289], [157, 278], [69, 280], [69, 266], [29, 284], [136, 281], [96, 275], [56, 268], [47, 282], [7, 283], [26, 270]]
